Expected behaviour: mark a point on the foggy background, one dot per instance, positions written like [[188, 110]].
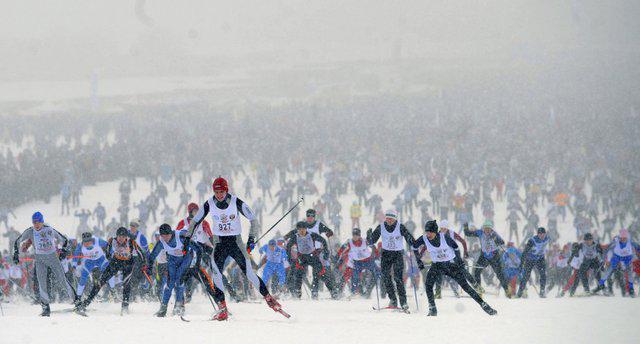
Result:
[[524, 89], [533, 41]]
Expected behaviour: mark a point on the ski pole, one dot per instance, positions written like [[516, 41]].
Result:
[[147, 276], [283, 216], [206, 291], [377, 294], [415, 290]]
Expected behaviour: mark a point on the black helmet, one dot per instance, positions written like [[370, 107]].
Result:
[[86, 237], [541, 230], [356, 231], [301, 224], [165, 229], [122, 232], [311, 213], [431, 226], [588, 236]]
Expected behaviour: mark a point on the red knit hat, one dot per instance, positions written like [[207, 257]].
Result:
[[191, 207], [220, 184]]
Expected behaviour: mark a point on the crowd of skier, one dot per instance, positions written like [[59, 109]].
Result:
[[210, 255], [569, 186]]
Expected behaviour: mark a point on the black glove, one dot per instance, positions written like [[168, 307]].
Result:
[[466, 226], [16, 257], [63, 253], [250, 244], [420, 265], [329, 233]]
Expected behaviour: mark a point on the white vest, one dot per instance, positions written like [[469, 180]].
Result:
[[226, 222], [391, 241], [176, 250], [623, 252], [361, 252], [315, 228], [443, 253], [95, 252], [198, 233], [44, 240], [305, 243]]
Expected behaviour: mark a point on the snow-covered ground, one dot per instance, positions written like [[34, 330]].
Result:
[[576, 320]]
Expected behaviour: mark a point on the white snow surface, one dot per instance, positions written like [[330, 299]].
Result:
[[551, 320]]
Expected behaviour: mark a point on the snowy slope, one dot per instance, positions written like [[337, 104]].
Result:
[[107, 193], [576, 320]]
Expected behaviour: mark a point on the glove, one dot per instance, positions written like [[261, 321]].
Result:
[[329, 233], [325, 255], [16, 257], [63, 253], [298, 266], [250, 244], [466, 226], [420, 265]]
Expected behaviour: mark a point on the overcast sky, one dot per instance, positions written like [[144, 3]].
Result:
[[47, 39]]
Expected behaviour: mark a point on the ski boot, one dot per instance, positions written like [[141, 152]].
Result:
[[273, 303], [222, 313], [393, 303], [404, 307], [178, 308], [456, 293], [124, 309], [432, 311], [599, 288], [162, 312], [632, 292], [488, 309], [46, 311], [542, 294]]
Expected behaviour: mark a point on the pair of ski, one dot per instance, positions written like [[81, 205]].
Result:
[[392, 308]]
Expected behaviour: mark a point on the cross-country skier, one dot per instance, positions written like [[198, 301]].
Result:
[[590, 255], [137, 277], [225, 210], [442, 250], [490, 243], [276, 263], [392, 256], [203, 238], [307, 255], [180, 252], [533, 256], [360, 258], [621, 253], [121, 252], [444, 228], [90, 255], [45, 240]]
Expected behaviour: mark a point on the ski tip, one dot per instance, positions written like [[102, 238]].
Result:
[[184, 319]]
